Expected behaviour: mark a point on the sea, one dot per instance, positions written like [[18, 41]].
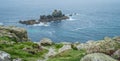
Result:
[[90, 20]]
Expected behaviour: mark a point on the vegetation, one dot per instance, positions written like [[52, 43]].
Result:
[[27, 51], [70, 55]]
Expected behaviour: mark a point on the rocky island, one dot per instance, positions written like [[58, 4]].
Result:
[[57, 15]]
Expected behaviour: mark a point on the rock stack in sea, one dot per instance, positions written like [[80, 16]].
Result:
[[56, 15]]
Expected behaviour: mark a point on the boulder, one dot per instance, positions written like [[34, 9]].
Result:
[[46, 41], [116, 54], [107, 46], [17, 59], [97, 57], [15, 33], [64, 48], [4, 56]]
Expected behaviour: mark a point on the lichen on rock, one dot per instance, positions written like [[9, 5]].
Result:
[[97, 57], [15, 33]]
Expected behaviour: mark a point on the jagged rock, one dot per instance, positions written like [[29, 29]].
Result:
[[116, 54], [4, 56], [97, 57], [65, 48], [29, 22], [55, 16], [15, 33], [117, 39], [57, 13], [107, 46], [46, 41]]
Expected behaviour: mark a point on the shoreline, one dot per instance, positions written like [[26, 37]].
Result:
[[15, 43]]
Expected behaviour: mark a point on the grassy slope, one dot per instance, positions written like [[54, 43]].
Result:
[[70, 55], [15, 49]]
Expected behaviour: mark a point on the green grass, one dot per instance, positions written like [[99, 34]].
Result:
[[33, 53], [70, 55], [16, 49]]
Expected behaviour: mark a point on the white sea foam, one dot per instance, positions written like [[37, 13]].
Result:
[[71, 19], [42, 24]]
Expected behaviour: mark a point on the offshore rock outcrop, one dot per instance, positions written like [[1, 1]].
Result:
[[57, 15], [15, 33]]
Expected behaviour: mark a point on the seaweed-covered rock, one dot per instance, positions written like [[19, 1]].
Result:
[[14, 33], [4, 56], [97, 57]]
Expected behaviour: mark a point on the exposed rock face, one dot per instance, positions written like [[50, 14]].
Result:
[[117, 39], [29, 22], [97, 57], [107, 46], [4, 56], [55, 16], [46, 41], [15, 33]]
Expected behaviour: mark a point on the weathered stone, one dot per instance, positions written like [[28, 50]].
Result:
[[15, 33], [65, 48], [97, 57], [4, 56], [117, 39], [46, 41], [107, 46]]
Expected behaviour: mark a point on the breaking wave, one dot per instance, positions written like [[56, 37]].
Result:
[[42, 24]]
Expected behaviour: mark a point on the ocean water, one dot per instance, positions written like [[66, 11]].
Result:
[[94, 20]]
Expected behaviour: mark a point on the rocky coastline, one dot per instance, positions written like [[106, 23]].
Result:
[[16, 46], [56, 15]]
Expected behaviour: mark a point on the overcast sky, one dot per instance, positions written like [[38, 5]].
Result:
[[6, 4]]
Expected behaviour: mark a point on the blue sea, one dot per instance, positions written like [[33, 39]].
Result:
[[94, 19]]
